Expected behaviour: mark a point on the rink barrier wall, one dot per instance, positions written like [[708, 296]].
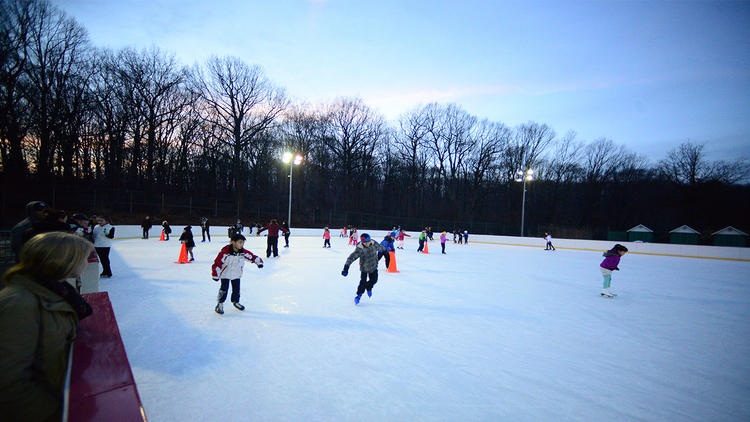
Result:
[[727, 253]]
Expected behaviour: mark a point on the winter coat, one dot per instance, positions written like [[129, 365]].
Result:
[[204, 224], [326, 234], [229, 263], [368, 256], [37, 328], [285, 228], [402, 235], [611, 259], [17, 232], [548, 238], [146, 224], [423, 236], [187, 237], [443, 238], [103, 236], [166, 228], [39, 227], [273, 230], [388, 244]]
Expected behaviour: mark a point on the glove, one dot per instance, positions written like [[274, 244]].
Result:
[[260, 265], [617, 269], [215, 278], [345, 272]]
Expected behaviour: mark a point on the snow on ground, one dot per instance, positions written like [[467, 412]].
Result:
[[486, 332]]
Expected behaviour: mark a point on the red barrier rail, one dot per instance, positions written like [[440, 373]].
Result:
[[102, 387]]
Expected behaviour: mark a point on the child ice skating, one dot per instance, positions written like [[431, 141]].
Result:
[[443, 239], [205, 229], [227, 267], [166, 229], [400, 237], [326, 238], [389, 247], [187, 238], [103, 235], [367, 252], [422, 239], [611, 260], [549, 246]]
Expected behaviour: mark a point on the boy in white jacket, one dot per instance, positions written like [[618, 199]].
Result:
[[227, 267], [103, 235]]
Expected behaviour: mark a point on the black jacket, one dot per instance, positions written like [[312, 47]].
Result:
[[187, 237]]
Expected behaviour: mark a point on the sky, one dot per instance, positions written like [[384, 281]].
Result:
[[649, 75]]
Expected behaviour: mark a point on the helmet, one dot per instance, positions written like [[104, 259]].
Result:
[[365, 237]]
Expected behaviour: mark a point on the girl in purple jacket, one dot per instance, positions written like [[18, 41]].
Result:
[[611, 260]]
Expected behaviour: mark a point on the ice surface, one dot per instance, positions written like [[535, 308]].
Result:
[[486, 332]]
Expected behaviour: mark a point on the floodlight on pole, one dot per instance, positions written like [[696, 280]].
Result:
[[292, 160], [524, 177]]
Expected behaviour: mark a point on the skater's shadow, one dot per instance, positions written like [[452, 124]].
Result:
[[155, 337]]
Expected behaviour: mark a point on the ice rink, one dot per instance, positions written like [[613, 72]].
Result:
[[483, 333]]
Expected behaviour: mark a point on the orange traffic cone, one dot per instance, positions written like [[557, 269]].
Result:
[[392, 267], [162, 236], [183, 256], [426, 249], [350, 240]]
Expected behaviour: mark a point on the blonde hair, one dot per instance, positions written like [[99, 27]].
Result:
[[50, 256]]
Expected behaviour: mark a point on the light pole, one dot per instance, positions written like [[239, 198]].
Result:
[[523, 177], [287, 158]]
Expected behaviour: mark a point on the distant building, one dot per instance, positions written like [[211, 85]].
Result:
[[684, 235], [729, 236], [640, 233]]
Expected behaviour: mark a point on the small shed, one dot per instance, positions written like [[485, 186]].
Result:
[[684, 235], [729, 236], [642, 233]]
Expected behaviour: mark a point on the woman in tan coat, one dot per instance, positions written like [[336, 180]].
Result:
[[39, 313]]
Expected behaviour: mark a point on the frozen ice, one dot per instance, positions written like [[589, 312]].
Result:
[[485, 332]]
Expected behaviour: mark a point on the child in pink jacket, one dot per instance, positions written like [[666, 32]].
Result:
[[327, 238]]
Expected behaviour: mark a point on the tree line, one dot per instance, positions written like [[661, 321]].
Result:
[[78, 115]]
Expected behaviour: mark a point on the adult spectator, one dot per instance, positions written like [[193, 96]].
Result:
[[39, 313], [34, 212], [103, 235], [52, 221], [146, 226]]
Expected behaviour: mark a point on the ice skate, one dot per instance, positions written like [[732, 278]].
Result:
[[607, 293], [238, 305], [369, 292], [219, 308], [356, 299]]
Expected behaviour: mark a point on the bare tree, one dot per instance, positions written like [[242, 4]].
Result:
[[16, 18], [687, 165], [241, 102], [354, 130], [526, 148], [58, 46]]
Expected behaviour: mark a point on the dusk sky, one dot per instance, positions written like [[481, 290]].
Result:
[[648, 75]]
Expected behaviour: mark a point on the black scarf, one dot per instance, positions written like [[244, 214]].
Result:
[[70, 295]]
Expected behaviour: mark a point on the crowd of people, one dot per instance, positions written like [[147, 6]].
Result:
[[41, 300], [41, 306]]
